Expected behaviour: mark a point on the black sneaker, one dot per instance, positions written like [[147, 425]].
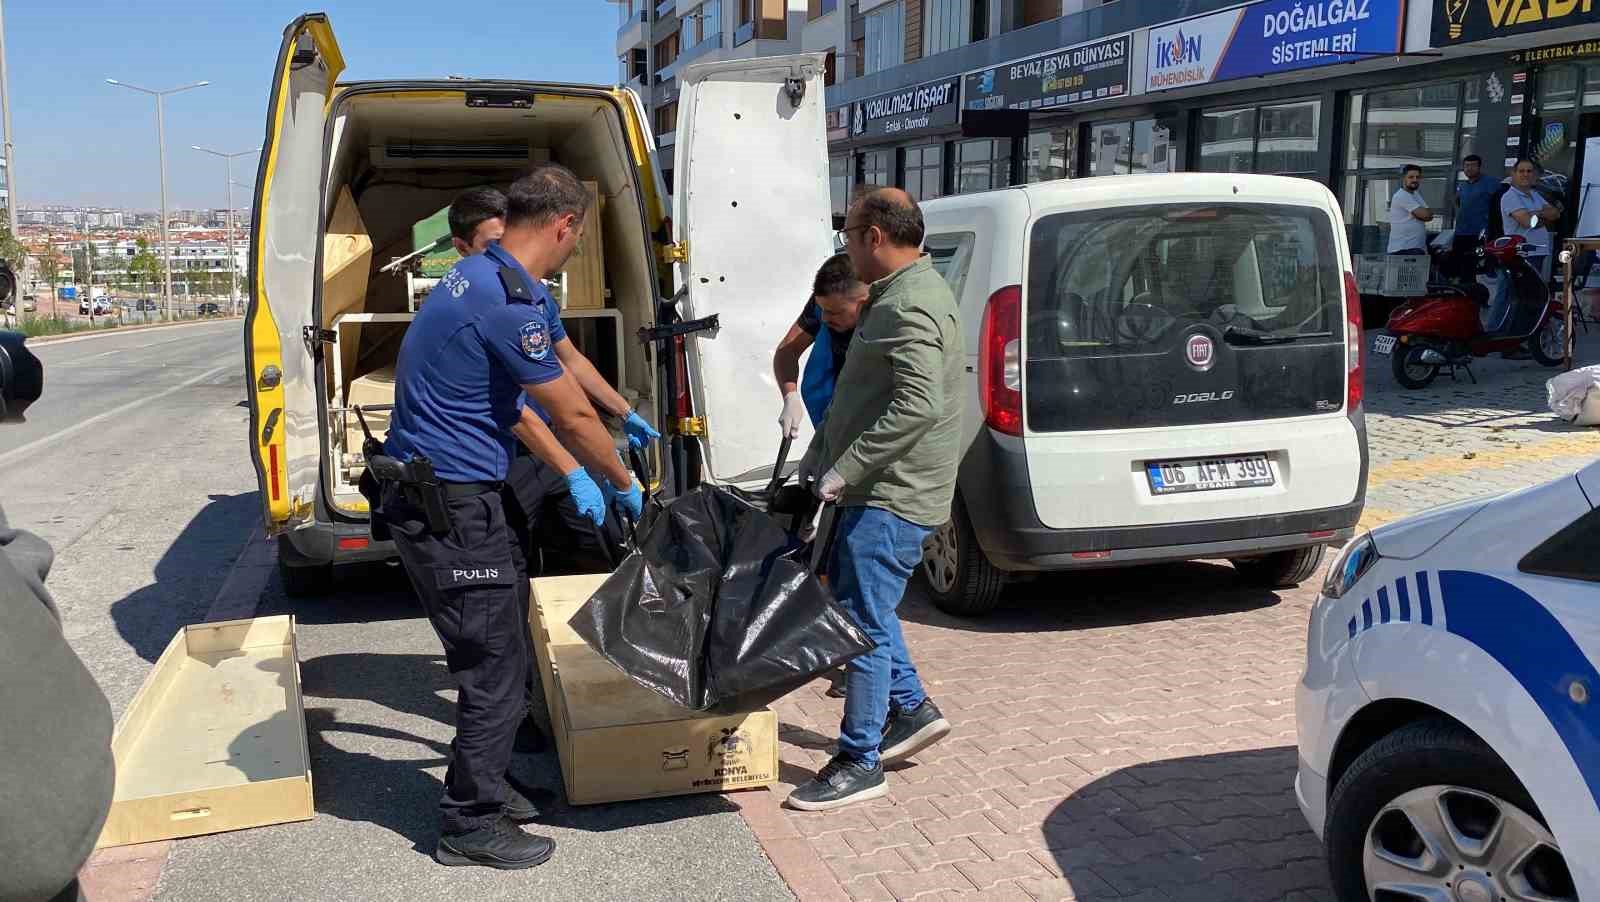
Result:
[[501, 845], [909, 732], [841, 782], [517, 806]]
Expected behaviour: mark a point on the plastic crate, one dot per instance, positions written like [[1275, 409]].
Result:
[[1369, 273], [1405, 275]]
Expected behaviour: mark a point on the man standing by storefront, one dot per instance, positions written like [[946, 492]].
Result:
[[1474, 193], [1518, 207], [887, 454], [1409, 214]]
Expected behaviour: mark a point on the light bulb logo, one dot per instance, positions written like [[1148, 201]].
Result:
[[1456, 11]]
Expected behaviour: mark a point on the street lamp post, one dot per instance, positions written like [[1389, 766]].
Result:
[[233, 273], [11, 170], [161, 139]]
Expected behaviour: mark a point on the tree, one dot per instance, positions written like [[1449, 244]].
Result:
[[145, 266], [50, 268], [11, 250]]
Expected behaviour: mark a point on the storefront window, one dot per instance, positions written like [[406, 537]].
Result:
[[1110, 150], [1152, 146], [925, 171], [1288, 139], [1412, 125], [1591, 86], [839, 183], [1227, 140], [877, 168], [1432, 126], [1051, 155], [983, 165], [1120, 148]]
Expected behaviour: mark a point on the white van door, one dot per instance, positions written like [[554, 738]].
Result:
[[751, 201], [285, 241]]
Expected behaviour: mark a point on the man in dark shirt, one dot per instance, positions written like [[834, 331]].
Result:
[[1474, 192], [836, 300]]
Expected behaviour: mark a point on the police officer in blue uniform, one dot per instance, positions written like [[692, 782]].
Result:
[[486, 337]]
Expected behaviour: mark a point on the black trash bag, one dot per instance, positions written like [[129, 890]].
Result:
[[717, 609]]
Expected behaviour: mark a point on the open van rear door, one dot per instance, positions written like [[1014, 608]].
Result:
[[751, 201], [285, 238]]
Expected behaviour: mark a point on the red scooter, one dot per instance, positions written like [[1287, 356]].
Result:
[[1442, 329]]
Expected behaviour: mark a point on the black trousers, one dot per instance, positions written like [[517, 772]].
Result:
[[475, 594], [555, 538]]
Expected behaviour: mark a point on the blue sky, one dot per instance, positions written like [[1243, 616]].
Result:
[[80, 140]]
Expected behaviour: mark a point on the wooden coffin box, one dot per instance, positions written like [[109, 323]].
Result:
[[618, 740], [216, 738]]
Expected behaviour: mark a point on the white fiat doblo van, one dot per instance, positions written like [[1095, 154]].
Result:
[[349, 195], [1164, 368]]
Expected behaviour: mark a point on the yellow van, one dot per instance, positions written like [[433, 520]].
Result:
[[678, 302]]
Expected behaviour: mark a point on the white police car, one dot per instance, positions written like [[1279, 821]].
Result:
[[1449, 715]]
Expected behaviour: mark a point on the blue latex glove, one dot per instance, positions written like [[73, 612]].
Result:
[[639, 432], [586, 495], [632, 500]]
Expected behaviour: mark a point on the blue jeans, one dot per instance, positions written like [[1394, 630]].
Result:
[[1504, 306], [874, 553]]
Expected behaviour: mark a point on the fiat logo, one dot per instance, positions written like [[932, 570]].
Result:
[[1201, 352]]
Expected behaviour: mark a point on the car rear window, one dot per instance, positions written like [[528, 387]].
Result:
[[1123, 280], [1182, 314]]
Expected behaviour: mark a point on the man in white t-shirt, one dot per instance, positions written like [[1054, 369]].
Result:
[[1408, 214]]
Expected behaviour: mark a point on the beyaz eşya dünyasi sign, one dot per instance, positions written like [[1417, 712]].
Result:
[[1266, 38], [1092, 71]]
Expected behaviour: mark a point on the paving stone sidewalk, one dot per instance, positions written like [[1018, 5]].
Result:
[[1130, 734]]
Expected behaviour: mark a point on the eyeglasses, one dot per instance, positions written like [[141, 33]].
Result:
[[843, 235]]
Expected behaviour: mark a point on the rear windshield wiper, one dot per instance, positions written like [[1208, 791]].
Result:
[[1238, 335]]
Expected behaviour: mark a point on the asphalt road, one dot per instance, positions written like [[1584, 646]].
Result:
[[134, 466]]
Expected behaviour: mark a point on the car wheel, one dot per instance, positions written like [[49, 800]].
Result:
[[1549, 346], [1430, 812], [302, 582], [955, 571], [1409, 370], [1281, 569]]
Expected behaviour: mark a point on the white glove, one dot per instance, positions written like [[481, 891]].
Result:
[[794, 414], [831, 486]]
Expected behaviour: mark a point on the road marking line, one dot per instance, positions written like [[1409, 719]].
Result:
[[74, 429]]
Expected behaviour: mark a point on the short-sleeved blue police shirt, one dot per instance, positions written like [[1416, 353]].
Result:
[[462, 366]]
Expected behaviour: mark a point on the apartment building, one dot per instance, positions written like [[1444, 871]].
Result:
[[655, 40], [956, 96]]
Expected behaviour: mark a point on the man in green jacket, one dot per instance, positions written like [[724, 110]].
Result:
[[887, 454]]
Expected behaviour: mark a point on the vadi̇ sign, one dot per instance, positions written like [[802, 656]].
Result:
[[1270, 37]]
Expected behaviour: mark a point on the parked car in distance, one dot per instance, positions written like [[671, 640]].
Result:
[[1163, 368], [1446, 716], [146, 305], [102, 307], [209, 309]]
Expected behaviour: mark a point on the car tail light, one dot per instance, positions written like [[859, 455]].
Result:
[[354, 543], [1000, 361], [1355, 380]]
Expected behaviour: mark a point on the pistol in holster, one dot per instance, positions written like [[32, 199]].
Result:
[[416, 480]]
